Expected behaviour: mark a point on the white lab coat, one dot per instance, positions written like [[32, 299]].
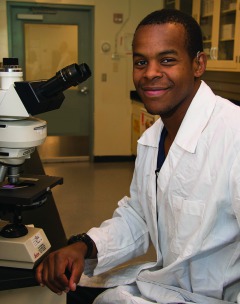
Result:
[[194, 226]]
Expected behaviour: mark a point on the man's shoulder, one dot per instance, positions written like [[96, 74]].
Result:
[[228, 110]]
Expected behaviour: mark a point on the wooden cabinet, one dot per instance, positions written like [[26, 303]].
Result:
[[219, 21], [220, 24]]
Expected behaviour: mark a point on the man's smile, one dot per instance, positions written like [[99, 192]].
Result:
[[154, 91]]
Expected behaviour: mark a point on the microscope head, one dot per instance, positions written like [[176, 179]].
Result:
[[20, 132]]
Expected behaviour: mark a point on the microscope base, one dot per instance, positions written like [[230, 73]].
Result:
[[23, 252]]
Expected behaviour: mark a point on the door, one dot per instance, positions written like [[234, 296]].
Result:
[[46, 38]]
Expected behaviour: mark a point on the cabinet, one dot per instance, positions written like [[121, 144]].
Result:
[[219, 21]]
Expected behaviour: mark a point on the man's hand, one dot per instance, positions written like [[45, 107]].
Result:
[[52, 270]]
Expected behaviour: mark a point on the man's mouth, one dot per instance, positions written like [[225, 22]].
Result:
[[154, 91]]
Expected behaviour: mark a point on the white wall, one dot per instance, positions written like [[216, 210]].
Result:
[[112, 105]]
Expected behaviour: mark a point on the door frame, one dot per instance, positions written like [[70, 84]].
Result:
[[86, 8]]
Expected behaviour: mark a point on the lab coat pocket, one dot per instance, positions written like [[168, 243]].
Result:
[[188, 216]]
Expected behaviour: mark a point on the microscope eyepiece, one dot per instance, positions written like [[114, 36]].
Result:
[[71, 75], [46, 95]]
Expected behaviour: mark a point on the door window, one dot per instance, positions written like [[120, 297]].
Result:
[[49, 48]]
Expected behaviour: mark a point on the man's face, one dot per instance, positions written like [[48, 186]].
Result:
[[163, 72]]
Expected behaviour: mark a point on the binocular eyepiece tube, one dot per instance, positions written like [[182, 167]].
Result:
[[71, 75]]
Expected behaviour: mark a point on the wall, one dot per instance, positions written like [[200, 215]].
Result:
[[112, 105]]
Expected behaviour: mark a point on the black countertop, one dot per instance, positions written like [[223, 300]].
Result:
[[45, 217]]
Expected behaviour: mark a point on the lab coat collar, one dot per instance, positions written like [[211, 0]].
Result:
[[151, 136], [193, 124]]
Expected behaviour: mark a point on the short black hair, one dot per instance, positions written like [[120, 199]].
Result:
[[194, 40]]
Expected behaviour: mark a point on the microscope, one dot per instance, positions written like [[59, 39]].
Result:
[[20, 133]]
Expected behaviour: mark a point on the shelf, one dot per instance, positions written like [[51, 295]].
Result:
[[207, 16], [227, 39], [229, 11]]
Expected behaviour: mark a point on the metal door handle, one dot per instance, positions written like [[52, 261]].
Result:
[[84, 90]]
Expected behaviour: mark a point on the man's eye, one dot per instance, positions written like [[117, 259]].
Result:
[[168, 60], [140, 63]]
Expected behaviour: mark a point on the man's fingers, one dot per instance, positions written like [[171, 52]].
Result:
[[51, 274], [76, 272], [38, 274]]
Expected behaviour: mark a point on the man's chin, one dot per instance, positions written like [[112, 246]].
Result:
[[151, 111]]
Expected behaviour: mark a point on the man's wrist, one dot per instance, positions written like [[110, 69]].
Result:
[[84, 238]]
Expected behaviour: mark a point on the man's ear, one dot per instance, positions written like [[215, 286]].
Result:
[[200, 63]]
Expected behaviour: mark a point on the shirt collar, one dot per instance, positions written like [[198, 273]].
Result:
[[194, 122], [152, 135]]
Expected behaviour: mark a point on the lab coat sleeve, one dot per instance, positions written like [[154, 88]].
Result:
[[123, 237]]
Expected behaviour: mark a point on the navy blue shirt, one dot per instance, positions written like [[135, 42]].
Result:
[[161, 152]]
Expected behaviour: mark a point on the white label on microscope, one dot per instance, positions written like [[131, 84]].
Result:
[[37, 239]]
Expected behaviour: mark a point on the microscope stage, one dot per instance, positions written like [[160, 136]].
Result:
[[31, 189]]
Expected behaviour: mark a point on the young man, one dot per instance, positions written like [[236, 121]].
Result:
[[185, 192]]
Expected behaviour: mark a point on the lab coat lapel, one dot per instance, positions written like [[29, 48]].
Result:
[[193, 124]]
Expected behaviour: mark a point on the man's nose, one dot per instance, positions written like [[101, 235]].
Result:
[[153, 70]]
